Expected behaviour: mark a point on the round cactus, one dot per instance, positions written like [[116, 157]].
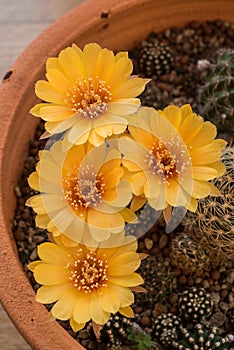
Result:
[[114, 332], [155, 58], [217, 94], [195, 304], [203, 336], [157, 280], [213, 222], [166, 329], [188, 254]]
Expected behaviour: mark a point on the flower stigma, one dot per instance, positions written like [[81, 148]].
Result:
[[89, 97], [88, 273]]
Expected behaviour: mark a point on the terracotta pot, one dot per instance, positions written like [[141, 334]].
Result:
[[116, 25]]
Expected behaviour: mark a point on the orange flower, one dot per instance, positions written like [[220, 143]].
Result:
[[170, 156], [82, 194], [87, 284], [88, 94]]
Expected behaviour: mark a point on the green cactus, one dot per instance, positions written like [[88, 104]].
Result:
[[117, 333], [166, 329], [155, 58], [217, 94], [213, 222], [188, 254], [203, 336], [195, 304], [157, 281]]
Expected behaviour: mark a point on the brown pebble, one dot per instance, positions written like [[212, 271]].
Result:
[[182, 279], [148, 243], [155, 237], [173, 310], [145, 321], [190, 281], [224, 293], [138, 309], [19, 234], [215, 275], [155, 251], [166, 252], [184, 59], [173, 298], [163, 241], [141, 245], [211, 282]]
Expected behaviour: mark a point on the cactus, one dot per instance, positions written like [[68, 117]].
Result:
[[117, 332], [202, 337], [217, 95], [170, 332], [151, 97], [157, 280], [213, 222], [188, 254], [166, 329], [155, 58], [195, 304]]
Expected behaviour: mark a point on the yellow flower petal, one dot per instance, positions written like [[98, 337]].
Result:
[[76, 326], [124, 264], [49, 274], [57, 80], [81, 312], [98, 315], [46, 92], [71, 63], [131, 280], [126, 311], [91, 55], [130, 88], [52, 254], [63, 309], [109, 301], [50, 294]]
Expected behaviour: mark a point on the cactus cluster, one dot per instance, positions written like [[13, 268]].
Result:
[[195, 304], [157, 280], [203, 336], [188, 254], [171, 334], [217, 94], [213, 222], [155, 58]]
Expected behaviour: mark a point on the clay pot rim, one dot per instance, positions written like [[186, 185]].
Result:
[[94, 18]]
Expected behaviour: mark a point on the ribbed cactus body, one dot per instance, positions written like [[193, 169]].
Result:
[[195, 304], [155, 58], [203, 337], [213, 222], [157, 281], [217, 96], [188, 254]]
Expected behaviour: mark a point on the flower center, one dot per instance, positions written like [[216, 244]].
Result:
[[85, 189], [89, 97], [88, 273], [161, 161]]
